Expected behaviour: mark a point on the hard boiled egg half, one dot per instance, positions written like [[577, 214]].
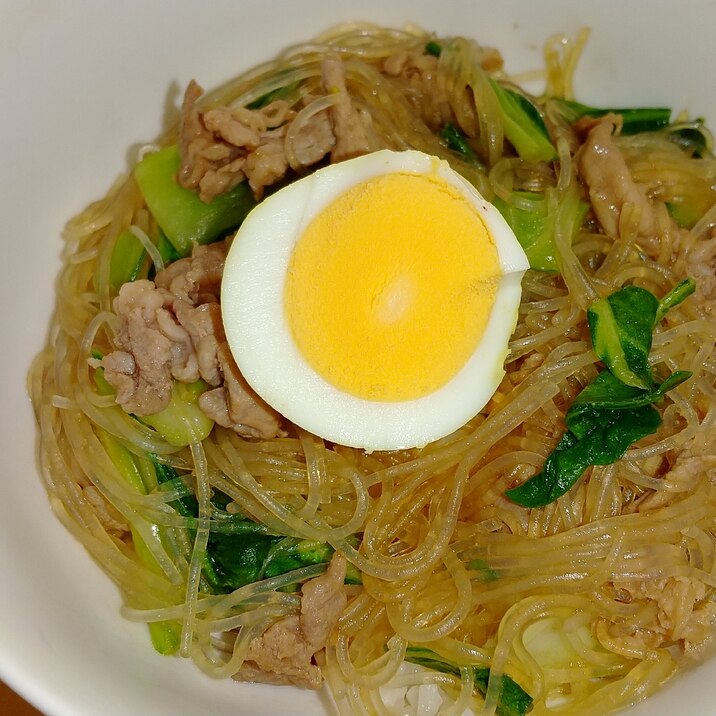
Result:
[[371, 302]]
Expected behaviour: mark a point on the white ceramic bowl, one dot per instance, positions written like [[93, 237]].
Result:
[[81, 83]]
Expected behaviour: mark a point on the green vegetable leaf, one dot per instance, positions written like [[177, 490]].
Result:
[[484, 573], [127, 260], [166, 249], [433, 48], [279, 93], [615, 409], [602, 442], [607, 393], [634, 120], [182, 216], [168, 478], [524, 126], [187, 506], [684, 214], [240, 551], [513, 699], [679, 293], [534, 226], [182, 422], [621, 327], [692, 136], [236, 560], [457, 141], [165, 635]]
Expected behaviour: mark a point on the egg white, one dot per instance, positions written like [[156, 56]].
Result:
[[252, 300]]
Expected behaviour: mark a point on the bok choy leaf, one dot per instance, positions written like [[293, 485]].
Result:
[[513, 699], [616, 409]]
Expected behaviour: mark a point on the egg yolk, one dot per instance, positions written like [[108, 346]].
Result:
[[390, 287]]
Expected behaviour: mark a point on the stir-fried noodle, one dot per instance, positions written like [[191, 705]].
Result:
[[588, 603]]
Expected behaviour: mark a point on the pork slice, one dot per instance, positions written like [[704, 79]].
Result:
[[423, 85], [605, 172], [348, 128], [195, 141], [140, 371], [266, 165], [687, 469], [235, 405], [701, 266], [222, 122], [221, 146], [284, 653], [196, 279], [313, 141], [183, 364], [682, 609], [322, 603], [222, 178], [203, 324]]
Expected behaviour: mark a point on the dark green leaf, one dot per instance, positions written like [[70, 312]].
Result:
[[236, 560], [457, 141], [615, 409], [433, 48], [603, 442], [693, 137], [513, 699], [679, 293], [239, 550], [291, 553], [621, 328], [186, 506], [606, 392], [634, 120], [166, 249]]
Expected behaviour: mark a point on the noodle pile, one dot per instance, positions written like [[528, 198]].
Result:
[[589, 603]]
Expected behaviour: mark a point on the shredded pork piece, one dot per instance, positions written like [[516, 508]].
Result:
[[197, 147], [701, 266], [683, 612], [222, 146], [604, 170], [312, 140], [284, 653], [351, 136], [196, 279], [140, 371], [266, 165], [203, 325], [425, 86], [171, 329], [687, 469], [234, 405]]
